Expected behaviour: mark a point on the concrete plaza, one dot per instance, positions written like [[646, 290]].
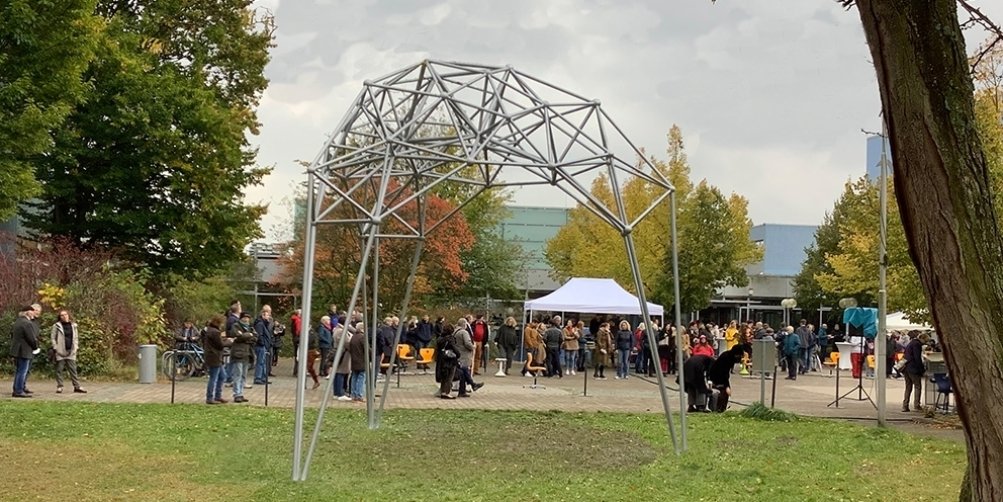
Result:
[[809, 395]]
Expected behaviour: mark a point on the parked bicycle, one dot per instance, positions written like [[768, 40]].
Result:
[[186, 360]]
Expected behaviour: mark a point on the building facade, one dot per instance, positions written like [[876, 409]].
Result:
[[770, 280], [531, 227]]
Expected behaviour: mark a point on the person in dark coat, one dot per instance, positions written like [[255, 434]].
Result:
[[325, 340], [263, 331], [914, 369], [278, 333], [214, 342], [507, 340], [720, 375], [695, 374], [624, 343], [384, 342], [357, 353], [23, 346], [552, 339], [446, 361], [240, 354], [422, 338]]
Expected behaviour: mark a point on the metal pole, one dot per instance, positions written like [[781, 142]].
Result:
[[652, 345], [308, 257], [359, 280], [268, 380], [374, 366], [408, 287], [679, 326], [628, 240], [879, 347], [174, 373], [773, 393], [762, 382]]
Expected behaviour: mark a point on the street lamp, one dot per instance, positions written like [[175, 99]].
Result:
[[847, 303], [787, 304], [748, 305]]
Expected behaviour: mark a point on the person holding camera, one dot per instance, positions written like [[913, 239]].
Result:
[[215, 342], [914, 369], [242, 345], [278, 331]]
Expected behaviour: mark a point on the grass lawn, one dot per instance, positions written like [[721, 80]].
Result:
[[89, 451]]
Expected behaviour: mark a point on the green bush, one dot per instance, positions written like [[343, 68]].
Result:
[[6, 323], [758, 411]]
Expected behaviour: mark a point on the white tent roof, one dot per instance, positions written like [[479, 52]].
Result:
[[587, 295], [897, 321]]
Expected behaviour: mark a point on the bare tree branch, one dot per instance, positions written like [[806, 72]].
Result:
[[978, 18]]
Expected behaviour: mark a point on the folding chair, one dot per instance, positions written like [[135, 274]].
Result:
[[426, 356]]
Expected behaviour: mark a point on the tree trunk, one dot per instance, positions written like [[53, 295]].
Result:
[[943, 191]]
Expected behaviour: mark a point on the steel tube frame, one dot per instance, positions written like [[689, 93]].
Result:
[[373, 367], [679, 324], [628, 241], [408, 287], [305, 331], [511, 126], [338, 353]]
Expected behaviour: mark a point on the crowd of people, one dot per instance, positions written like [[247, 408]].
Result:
[[238, 345]]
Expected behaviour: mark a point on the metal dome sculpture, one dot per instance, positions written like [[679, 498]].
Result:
[[425, 125]]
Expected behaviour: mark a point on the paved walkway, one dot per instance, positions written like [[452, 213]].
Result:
[[809, 395]]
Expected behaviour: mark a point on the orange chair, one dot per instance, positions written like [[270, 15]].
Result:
[[832, 362], [427, 355], [403, 354]]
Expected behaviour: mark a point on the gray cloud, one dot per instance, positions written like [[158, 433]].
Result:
[[771, 94]]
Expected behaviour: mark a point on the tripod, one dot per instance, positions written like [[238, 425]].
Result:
[[859, 388]]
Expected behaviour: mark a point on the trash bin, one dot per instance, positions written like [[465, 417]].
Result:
[[147, 364]]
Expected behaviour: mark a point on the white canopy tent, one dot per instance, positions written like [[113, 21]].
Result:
[[585, 294], [898, 321]]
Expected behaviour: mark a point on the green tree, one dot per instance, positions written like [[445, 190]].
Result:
[[713, 233], [44, 47], [492, 263], [155, 160], [714, 246], [807, 291], [946, 201], [843, 259], [852, 267]]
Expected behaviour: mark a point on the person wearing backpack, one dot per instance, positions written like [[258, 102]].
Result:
[[792, 352]]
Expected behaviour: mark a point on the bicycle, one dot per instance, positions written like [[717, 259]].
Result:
[[187, 360]]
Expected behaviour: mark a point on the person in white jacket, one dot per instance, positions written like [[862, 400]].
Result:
[[66, 342]]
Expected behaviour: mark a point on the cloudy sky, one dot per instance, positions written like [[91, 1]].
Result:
[[771, 95]]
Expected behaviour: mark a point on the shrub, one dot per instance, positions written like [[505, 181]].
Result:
[[758, 411]]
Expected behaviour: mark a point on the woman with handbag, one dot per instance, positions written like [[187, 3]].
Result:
[[446, 361]]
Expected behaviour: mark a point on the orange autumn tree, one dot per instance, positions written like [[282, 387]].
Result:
[[338, 251]]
